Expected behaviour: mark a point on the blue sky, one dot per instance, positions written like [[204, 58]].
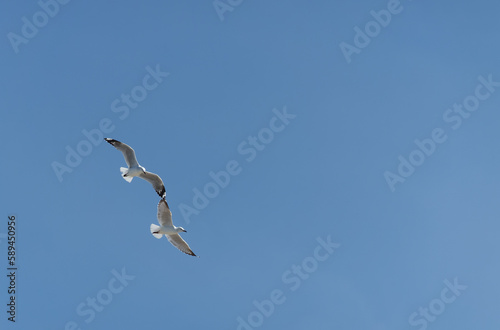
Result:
[[309, 233]]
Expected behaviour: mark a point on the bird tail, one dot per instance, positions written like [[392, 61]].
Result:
[[154, 228], [124, 171]]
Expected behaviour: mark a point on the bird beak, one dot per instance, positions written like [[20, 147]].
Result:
[[185, 231]]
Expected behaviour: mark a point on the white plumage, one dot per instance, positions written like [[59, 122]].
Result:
[[134, 169], [168, 229]]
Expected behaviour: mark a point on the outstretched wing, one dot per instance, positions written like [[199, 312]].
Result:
[[155, 180], [164, 215], [126, 150], [179, 243]]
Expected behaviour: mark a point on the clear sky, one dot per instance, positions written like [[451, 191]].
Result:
[[335, 164]]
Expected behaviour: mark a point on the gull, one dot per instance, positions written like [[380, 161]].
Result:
[[134, 169], [168, 229]]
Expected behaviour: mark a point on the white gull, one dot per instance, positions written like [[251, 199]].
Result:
[[134, 169], [168, 229]]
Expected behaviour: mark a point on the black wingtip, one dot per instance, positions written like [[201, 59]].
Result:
[[110, 141], [162, 193]]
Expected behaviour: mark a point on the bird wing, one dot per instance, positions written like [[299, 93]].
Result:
[[164, 214], [155, 180], [181, 244], [126, 150]]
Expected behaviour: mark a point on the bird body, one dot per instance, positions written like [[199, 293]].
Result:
[[158, 231], [129, 173]]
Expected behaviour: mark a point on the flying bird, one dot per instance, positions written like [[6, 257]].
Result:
[[168, 229], [134, 169]]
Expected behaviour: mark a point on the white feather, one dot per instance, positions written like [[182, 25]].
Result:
[[124, 171], [154, 228]]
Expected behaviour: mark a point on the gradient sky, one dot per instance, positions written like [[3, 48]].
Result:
[[315, 177]]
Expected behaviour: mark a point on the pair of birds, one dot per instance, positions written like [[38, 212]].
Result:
[[164, 214]]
